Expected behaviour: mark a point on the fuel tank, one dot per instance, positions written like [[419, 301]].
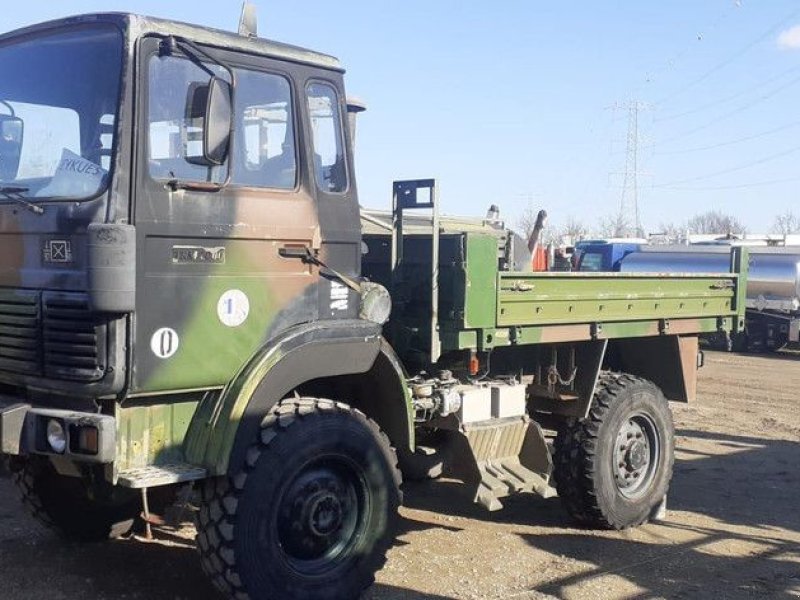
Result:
[[773, 281]]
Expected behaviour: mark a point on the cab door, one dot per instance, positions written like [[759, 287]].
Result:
[[218, 247]]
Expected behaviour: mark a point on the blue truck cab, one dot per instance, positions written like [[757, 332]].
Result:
[[605, 255]]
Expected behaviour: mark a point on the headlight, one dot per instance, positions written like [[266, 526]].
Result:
[[56, 436], [376, 303]]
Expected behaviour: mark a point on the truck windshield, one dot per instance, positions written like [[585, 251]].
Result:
[[58, 109]]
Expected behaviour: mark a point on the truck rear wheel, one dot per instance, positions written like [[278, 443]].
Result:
[[613, 468], [68, 506], [312, 512]]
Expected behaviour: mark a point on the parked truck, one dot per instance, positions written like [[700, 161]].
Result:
[[191, 315]]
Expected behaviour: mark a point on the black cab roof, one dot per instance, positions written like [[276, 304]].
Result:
[[137, 26]]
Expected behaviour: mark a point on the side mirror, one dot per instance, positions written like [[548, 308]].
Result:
[[213, 104], [11, 134]]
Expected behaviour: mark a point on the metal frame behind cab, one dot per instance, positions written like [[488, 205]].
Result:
[[405, 196]]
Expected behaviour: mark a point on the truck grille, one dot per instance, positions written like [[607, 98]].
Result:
[[49, 334], [70, 338], [20, 332]]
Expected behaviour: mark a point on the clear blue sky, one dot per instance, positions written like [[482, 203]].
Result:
[[508, 102]]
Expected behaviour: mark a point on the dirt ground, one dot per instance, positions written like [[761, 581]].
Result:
[[732, 531]]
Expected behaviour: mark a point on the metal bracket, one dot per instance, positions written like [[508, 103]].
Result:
[[405, 196]]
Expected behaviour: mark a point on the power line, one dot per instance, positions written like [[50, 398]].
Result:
[[727, 99], [730, 170], [731, 142], [732, 113], [721, 65], [670, 63], [752, 184]]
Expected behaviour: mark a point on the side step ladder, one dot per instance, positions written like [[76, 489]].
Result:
[[505, 457]]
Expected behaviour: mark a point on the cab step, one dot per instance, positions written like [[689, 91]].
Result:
[[501, 457], [156, 476]]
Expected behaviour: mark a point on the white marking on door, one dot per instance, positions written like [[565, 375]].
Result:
[[164, 342], [340, 295], [233, 308]]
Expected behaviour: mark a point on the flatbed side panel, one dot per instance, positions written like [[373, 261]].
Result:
[[553, 334], [554, 298]]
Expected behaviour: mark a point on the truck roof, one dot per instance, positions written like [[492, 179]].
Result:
[[139, 25]]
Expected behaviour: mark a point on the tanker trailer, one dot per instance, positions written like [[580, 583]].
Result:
[[773, 287]]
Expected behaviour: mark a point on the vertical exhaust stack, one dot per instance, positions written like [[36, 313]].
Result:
[[248, 22], [354, 107]]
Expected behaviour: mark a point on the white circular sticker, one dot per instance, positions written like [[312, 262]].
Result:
[[233, 308], [164, 342]]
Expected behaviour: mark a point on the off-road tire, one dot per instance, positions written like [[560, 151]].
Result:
[[64, 504], [239, 534], [584, 463], [430, 457]]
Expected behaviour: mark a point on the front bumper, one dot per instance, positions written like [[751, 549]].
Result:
[[23, 432]]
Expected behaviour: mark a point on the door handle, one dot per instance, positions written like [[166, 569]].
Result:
[[301, 252]]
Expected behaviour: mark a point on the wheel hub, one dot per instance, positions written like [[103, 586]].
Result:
[[325, 514], [635, 455], [319, 516]]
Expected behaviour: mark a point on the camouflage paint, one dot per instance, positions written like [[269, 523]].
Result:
[[516, 308], [152, 435], [252, 225]]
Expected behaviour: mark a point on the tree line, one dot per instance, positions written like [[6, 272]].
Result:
[[709, 222]]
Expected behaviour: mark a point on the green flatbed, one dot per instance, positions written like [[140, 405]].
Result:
[[482, 306]]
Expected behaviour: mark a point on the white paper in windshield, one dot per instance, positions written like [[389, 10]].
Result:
[[75, 177]]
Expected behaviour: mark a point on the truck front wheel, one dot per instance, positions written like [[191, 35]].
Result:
[[310, 514], [613, 468]]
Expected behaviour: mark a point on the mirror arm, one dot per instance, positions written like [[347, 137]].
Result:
[[176, 41], [9, 107]]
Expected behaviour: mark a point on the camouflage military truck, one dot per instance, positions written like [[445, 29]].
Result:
[[191, 312]]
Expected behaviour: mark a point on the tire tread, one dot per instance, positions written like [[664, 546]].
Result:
[[575, 467], [220, 496]]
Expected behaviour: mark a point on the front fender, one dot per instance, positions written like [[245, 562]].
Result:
[[226, 424]]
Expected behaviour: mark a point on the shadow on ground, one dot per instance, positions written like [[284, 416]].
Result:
[[125, 569], [732, 533], [749, 549]]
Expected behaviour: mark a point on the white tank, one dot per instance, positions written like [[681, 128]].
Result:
[[773, 280]]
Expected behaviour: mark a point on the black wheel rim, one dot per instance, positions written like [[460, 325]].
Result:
[[636, 456], [322, 514]]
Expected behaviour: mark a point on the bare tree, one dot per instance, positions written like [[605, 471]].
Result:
[[527, 221], [573, 229], [786, 223], [669, 233], [614, 226], [715, 221]]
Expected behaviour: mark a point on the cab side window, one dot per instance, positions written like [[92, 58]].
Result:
[[265, 154], [329, 163], [264, 149], [175, 132]]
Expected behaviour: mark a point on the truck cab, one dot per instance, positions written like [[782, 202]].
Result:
[[128, 244]]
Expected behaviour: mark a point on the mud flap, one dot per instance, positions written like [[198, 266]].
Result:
[[500, 458]]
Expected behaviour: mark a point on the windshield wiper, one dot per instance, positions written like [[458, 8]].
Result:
[[14, 193]]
